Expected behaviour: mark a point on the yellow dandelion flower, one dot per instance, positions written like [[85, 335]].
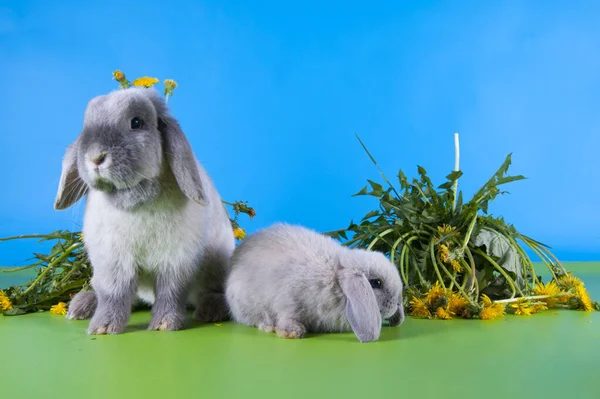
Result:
[[456, 266], [444, 253], [434, 293], [419, 308], [485, 300], [491, 310], [522, 308], [118, 75], [59, 309], [549, 289], [564, 298], [170, 85], [456, 304], [568, 282], [443, 314], [239, 233], [5, 303], [491, 313], [538, 306], [584, 298], [146, 81], [445, 229]]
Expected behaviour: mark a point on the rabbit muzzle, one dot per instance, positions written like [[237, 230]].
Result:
[[398, 317]]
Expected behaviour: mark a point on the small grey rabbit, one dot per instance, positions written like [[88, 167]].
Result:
[[290, 279], [154, 223]]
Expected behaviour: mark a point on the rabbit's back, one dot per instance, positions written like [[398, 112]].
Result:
[[285, 269]]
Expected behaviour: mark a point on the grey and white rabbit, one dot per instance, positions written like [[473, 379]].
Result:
[[154, 226], [290, 279]]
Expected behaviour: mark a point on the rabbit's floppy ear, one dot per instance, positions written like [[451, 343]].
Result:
[[70, 187], [362, 309], [398, 317], [181, 159]]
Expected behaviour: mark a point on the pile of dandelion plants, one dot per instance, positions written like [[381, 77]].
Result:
[[66, 270], [455, 259]]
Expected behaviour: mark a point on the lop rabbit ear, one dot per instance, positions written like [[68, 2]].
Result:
[[70, 187], [362, 310], [181, 159]]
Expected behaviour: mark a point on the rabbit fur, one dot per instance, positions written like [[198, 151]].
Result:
[[154, 227], [290, 279]]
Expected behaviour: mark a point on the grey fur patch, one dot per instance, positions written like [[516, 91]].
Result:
[[211, 304], [212, 307]]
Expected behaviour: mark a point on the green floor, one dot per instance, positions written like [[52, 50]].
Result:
[[551, 355]]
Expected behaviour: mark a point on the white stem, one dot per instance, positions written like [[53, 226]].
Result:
[[528, 298], [456, 153], [456, 167]]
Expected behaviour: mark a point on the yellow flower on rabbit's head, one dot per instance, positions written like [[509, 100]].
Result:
[[146, 81], [170, 85], [118, 75]]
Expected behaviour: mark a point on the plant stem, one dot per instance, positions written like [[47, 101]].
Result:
[[473, 276], [546, 252], [21, 268], [73, 269], [434, 261], [51, 265], [453, 277], [377, 166], [524, 257], [534, 297], [404, 249], [454, 282], [541, 255], [499, 268], [388, 231], [469, 231], [401, 266], [456, 168]]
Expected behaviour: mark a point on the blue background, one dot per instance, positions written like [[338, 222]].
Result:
[[271, 94]]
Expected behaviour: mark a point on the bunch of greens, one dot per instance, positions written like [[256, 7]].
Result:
[[66, 269], [455, 259]]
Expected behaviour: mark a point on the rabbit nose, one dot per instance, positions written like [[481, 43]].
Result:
[[99, 159]]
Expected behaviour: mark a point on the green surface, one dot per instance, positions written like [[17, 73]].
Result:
[[555, 354]]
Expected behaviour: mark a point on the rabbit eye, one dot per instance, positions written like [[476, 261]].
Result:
[[136, 123], [375, 283]]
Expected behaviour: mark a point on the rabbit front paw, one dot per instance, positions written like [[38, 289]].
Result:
[[106, 323], [266, 328], [290, 329], [167, 322]]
